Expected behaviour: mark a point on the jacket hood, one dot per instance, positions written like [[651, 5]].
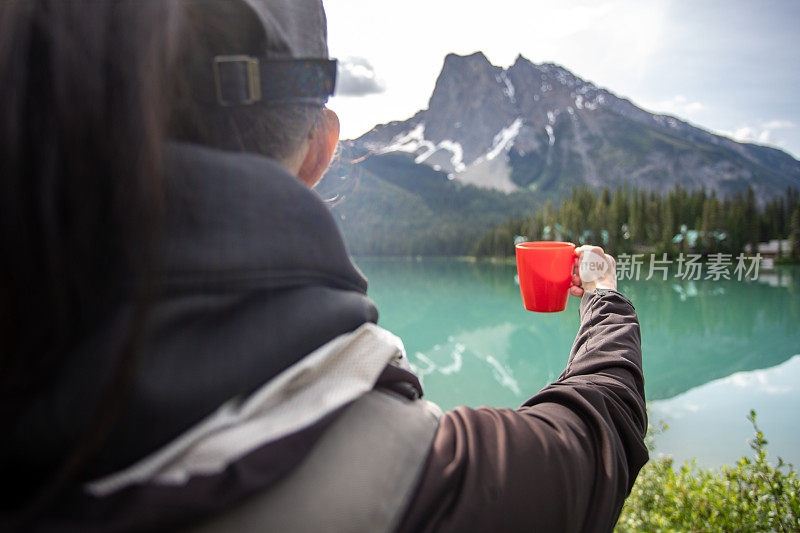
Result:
[[255, 276], [241, 219]]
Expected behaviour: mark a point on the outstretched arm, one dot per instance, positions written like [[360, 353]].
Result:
[[565, 460]]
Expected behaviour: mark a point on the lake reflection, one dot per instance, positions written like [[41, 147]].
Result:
[[709, 422], [473, 344]]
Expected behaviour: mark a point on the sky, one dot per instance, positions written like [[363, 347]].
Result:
[[731, 67]]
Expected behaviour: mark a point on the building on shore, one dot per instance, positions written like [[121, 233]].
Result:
[[770, 251]]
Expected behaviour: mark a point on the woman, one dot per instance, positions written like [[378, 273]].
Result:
[[185, 341]]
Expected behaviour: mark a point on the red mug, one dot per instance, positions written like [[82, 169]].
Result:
[[545, 274]]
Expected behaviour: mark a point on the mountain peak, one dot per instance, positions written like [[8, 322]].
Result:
[[541, 127], [470, 99], [520, 63], [473, 58]]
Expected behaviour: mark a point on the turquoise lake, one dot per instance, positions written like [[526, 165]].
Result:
[[712, 349]]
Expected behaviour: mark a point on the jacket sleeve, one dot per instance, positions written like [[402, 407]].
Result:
[[565, 460]]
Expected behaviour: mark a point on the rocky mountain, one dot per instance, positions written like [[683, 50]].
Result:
[[540, 128], [498, 143]]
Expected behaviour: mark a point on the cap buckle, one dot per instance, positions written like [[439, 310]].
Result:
[[251, 71]]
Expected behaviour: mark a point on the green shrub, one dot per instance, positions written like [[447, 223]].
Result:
[[751, 495]]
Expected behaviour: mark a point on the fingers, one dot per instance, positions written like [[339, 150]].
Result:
[[597, 250], [576, 291], [611, 262], [579, 251], [589, 248]]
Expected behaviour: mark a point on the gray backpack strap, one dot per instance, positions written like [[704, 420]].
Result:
[[358, 477]]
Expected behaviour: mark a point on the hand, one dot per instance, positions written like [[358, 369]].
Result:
[[594, 269]]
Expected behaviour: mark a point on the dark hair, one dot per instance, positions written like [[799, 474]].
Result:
[[90, 91], [83, 86], [229, 28]]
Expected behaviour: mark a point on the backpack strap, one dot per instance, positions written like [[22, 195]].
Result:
[[360, 476]]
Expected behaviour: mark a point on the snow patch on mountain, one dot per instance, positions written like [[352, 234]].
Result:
[[562, 75], [458, 154], [509, 90], [504, 139], [410, 141], [488, 173], [414, 141], [666, 120]]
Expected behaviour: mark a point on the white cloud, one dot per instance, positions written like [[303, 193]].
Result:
[[779, 124], [677, 105], [763, 133], [758, 380], [649, 52], [746, 133], [357, 77], [608, 42]]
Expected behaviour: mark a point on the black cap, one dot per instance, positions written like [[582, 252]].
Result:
[[293, 66]]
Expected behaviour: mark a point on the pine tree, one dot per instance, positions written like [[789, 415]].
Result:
[[636, 220], [667, 226], [619, 215], [751, 218], [795, 236]]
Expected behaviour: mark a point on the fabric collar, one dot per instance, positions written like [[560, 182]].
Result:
[[241, 220], [255, 276]]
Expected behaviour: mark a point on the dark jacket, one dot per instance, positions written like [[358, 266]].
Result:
[[565, 460], [255, 277]]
